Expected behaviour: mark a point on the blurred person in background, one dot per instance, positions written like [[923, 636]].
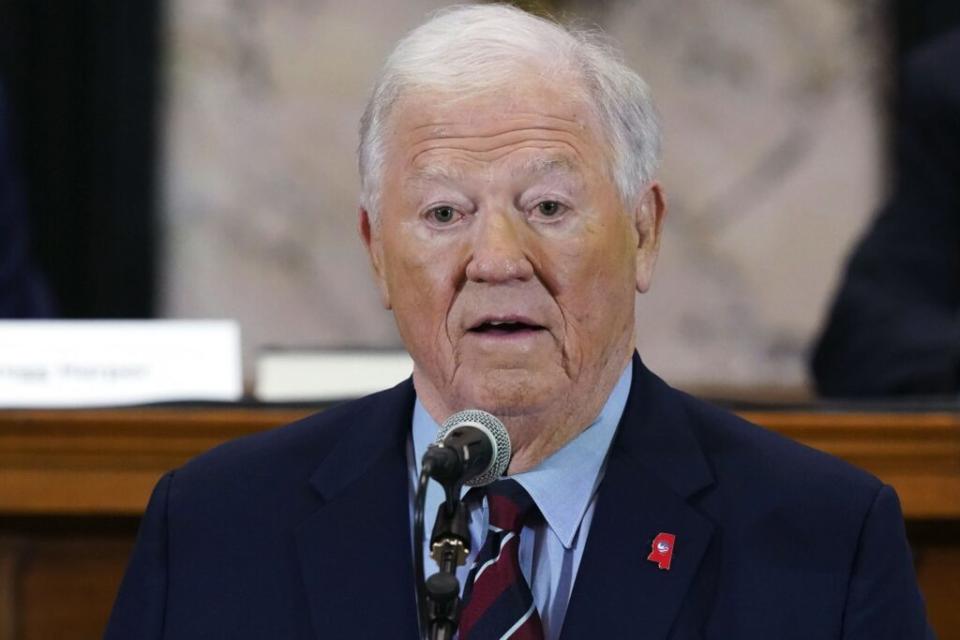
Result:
[[23, 293], [894, 328]]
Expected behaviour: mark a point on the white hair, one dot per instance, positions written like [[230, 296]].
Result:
[[466, 49]]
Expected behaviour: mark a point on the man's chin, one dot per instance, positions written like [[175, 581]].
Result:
[[510, 391]]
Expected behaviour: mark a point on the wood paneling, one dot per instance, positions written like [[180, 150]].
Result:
[[107, 461], [917, 453], [67, 586], [938, 572]]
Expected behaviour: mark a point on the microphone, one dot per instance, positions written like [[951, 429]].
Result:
[[472, 448]]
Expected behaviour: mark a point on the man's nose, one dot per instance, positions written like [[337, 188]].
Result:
[[499, 249]]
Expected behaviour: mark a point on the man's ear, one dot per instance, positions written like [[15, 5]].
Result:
[[370, 234], [648, 218]]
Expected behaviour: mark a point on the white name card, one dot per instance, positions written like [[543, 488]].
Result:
[[87, 363], [293, 375]]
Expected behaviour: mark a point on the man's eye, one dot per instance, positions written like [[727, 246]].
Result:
[[549, 208], [442, 215]]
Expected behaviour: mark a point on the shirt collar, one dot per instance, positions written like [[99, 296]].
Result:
[[563, 485]]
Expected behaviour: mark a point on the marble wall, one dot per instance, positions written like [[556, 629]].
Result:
[[773, 163]]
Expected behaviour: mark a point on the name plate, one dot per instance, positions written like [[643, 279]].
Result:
[[102, 363]]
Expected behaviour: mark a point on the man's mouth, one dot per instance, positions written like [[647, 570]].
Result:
[[507, 327]]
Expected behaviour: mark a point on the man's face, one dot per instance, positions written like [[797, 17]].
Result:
[[505, 251]]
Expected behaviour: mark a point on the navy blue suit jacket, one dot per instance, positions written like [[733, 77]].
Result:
[[304, 532]]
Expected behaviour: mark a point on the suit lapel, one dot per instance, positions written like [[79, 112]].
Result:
[[655, 465], [355, 550]]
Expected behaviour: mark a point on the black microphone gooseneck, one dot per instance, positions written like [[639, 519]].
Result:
[[472, 448]]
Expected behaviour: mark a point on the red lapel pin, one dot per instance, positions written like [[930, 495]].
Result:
[[661, 550]]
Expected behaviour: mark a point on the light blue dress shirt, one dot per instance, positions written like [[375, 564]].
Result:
[[564, 487]]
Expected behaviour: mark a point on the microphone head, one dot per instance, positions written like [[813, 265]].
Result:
[[494, 430]]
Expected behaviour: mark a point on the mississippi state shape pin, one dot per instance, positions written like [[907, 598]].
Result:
[[661, 550]]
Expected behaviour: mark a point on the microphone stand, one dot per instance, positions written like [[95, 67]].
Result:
[[438, 597]]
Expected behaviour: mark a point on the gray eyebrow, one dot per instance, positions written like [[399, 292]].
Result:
[[540, 166], [436, 172]]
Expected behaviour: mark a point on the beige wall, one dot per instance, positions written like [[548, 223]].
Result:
[[772, 164]]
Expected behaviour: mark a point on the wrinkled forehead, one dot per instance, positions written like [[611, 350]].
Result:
[[557, 166], [554, 114]]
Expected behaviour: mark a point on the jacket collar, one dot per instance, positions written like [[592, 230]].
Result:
[[381, 425], [655, 433], [654, 470], [356, 554]]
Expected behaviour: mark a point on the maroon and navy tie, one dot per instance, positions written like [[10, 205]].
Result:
[[497, 599]]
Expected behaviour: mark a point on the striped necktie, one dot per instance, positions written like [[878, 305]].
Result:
[[497, 599]]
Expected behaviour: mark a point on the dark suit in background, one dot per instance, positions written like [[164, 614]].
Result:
[[23, 293], [304, 532], [895, 323]]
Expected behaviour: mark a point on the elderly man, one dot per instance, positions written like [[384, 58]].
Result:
[[510, 213]]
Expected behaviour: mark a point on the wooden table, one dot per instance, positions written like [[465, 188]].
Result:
[[73, 484]]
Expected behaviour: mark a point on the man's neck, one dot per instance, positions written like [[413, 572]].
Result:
[[537, 434]]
